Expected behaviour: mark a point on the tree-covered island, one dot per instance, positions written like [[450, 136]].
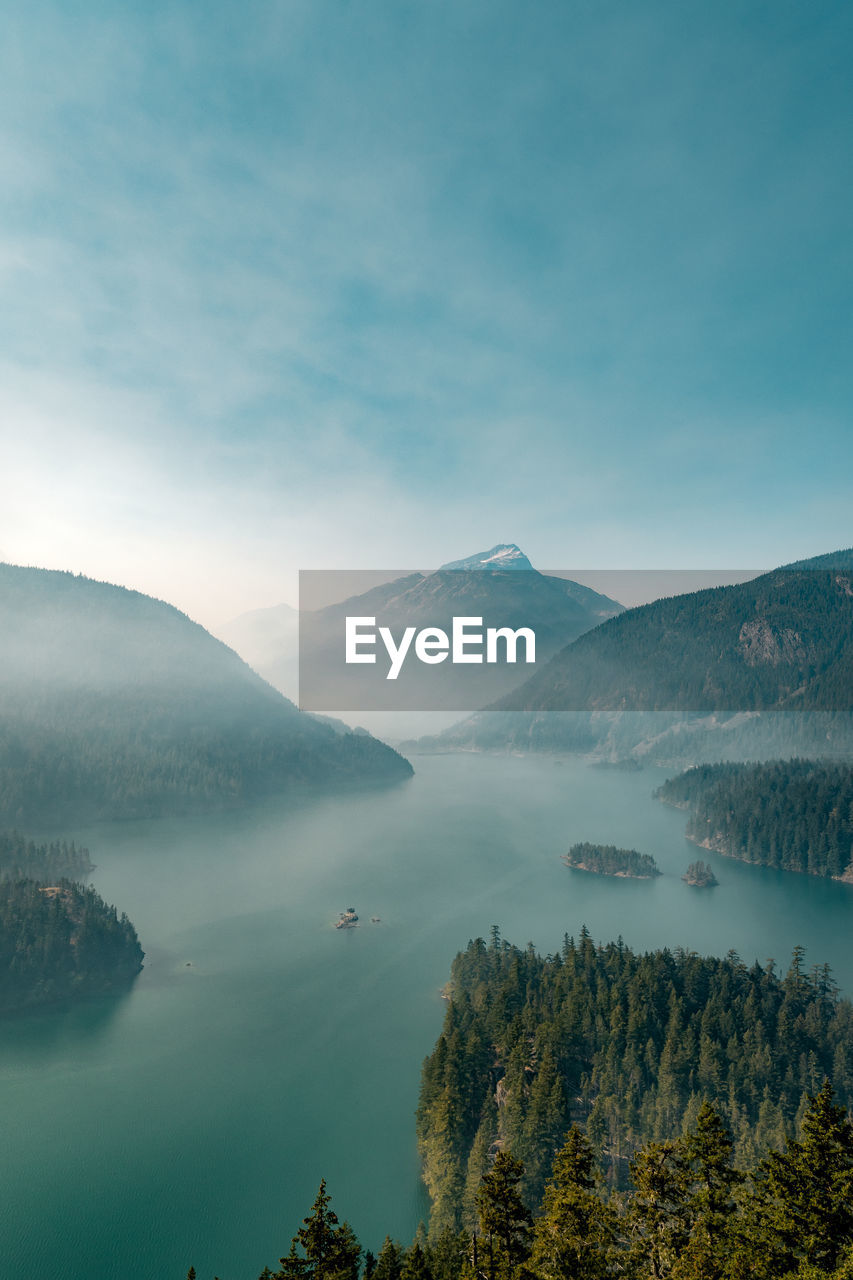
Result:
[[700, 875], [607, 860]]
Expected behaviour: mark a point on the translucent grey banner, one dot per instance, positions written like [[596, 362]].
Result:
[[688, 641], [685, 641]]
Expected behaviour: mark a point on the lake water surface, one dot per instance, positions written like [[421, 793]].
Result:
[[261, 1049]]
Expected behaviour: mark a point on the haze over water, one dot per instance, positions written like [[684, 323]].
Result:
[[261, 1049]]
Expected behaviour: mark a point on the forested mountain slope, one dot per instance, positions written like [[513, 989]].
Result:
[[782, 641], [764, 666], [113, 704]]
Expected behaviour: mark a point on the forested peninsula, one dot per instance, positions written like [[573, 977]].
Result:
[[607, 860], [601, 1113], [795, 815], [61, 941], [627, 1044], [58, 938]]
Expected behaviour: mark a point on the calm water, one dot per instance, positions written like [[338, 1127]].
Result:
[[261, 1050]]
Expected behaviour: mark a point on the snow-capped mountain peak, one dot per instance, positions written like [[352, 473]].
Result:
[[506, 555]]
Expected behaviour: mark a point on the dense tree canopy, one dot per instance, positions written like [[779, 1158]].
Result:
[[61, 941], [628, 1045], [796, 815], [23, 859], [607, 860]]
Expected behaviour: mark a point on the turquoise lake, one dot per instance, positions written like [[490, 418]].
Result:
[[261, 1049]]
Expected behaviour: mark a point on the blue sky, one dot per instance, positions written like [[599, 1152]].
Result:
[[313, 284]]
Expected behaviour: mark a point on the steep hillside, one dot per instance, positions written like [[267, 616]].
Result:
[[783, 641], [697, 666], [113, 704]]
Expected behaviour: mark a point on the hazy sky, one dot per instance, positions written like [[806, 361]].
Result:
[[316, 284]]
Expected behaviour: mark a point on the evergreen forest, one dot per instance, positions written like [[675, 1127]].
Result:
[[795, 815], [23, 859], [59, 942], [607, 860], [627, 1045]]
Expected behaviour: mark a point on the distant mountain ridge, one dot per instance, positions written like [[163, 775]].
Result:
[[490, 585], [481, 586], [113, 704]]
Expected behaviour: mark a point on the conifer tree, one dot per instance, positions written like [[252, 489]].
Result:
[[329, 1251], [658, 1217], [446, 1252], [544, 1125], [711, 1180], [505, 1220], [478, 1164], [806, 1193], [416, 1264], [389, 1263], [575, 1231]]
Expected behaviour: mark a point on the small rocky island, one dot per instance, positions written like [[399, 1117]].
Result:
[[607, 860], [348, 919], [700, 875]]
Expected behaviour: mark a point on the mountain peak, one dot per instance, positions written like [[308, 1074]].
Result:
[[506, 555]]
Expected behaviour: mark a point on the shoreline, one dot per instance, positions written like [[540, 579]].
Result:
[[613, 875], [846, 877]]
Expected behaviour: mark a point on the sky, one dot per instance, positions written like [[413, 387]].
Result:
[[325, 284]]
